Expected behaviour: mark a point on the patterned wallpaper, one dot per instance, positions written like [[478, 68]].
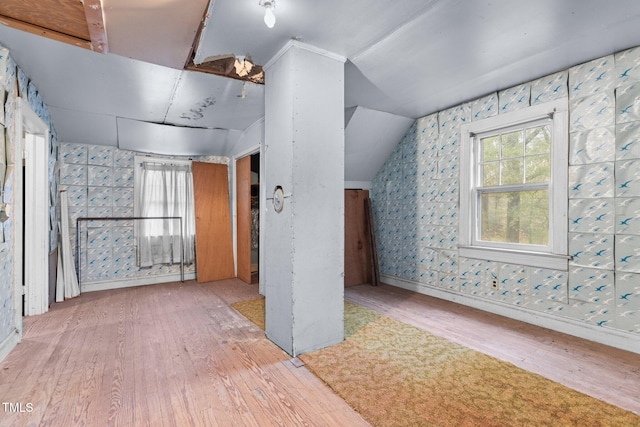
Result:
[[99, 183], [13, 84], [415, 200]]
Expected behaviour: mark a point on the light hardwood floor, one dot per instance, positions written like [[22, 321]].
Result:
[[178, 354], [597, 370], [173, 354]]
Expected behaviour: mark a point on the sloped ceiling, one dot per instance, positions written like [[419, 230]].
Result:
[[460, 50], [341, 27], [406, 58], [367, 133], [173, 140], [87, 92], [204, 100]]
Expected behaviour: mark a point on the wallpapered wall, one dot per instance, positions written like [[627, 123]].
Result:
[[99, 182], [13, 84], [415, 199]]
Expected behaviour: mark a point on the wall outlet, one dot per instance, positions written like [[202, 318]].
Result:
[[494, 284]]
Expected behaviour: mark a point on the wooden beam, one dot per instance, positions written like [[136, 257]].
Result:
[[256, 76], [62, 16], [95, 22], [40, 31], [375, 267]]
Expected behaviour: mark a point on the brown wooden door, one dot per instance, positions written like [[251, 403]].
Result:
[[357, 251], [243, 202], [214, 247]]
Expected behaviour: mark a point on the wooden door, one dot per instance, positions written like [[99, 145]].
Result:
[[243, 203], [357, 250], [214, 247]]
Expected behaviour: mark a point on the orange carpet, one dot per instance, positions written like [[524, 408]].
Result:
[[397, 375]]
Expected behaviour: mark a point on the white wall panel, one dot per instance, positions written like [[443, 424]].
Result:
[[304, 243], [370, 136], [173, 140], [207, 100]]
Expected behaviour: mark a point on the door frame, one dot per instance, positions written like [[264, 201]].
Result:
[[34, 219], [243, 198], [255, 149]]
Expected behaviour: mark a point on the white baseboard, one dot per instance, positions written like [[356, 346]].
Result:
[[9, 343], [601, 334], [139, 281]]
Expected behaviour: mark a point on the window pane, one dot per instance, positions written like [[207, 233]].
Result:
[[491, 174], [515, 217], [538, 140], [512, 145], [538, 169], [512, 172], [490, 148]]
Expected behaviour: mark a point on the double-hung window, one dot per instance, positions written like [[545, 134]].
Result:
[[513, 189]]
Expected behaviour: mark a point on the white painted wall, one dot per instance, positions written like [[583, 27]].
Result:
[[276, 236], [304, 244], [248, 140]]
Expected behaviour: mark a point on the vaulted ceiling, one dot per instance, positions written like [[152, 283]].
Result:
[[406, 59]]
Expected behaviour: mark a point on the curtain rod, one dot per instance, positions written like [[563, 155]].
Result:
[[181, 163]]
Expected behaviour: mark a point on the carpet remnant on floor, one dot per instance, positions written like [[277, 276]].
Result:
[[395, 374]]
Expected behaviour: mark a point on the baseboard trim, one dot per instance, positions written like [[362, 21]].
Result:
[[600, 334], [139, 281], [9, 343]]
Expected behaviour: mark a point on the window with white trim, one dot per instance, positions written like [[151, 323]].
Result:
[[513, 187]]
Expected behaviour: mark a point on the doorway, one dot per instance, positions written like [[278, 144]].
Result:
[[32, 228], [248, 218]]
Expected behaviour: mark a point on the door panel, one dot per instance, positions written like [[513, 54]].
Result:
[[357, 251], [243, 202], [214, 249]]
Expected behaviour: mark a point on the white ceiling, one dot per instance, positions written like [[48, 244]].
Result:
[[368, 132], [341, 27], [459, 50], [406, 58], [157, 31], [173, 140]]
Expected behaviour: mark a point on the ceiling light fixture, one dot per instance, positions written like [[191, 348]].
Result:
[[269, 16]]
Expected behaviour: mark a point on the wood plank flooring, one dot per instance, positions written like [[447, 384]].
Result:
[[178, 355], [173, 354], [597, 370]]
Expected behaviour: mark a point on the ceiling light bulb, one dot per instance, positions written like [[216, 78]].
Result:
[[269, 16]]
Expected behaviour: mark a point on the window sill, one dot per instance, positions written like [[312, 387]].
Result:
[[531, 259]]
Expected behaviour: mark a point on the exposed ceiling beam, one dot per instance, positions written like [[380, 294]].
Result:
[[79, 23], [44, 32], [224, 66], [95, 21]]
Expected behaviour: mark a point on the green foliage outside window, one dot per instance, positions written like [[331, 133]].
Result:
[[516, 158]]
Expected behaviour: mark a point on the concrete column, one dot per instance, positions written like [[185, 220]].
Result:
[[304, 242]]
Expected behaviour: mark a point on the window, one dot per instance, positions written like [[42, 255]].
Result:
[[513, 188], [164, 188]]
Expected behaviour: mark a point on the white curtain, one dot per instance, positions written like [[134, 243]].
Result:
[[164, 189], [67, 281]]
